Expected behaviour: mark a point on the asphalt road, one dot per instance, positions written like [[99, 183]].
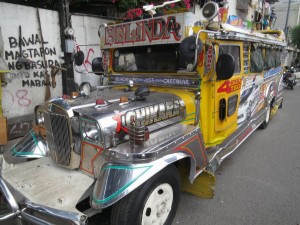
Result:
[[259, 184]]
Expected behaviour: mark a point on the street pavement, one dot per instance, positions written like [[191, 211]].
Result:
[[259, 184]]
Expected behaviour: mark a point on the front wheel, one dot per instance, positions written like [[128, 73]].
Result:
[[155, 202]]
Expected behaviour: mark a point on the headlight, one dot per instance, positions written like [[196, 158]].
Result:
[[90, 131], [39, 115], [85, 88]]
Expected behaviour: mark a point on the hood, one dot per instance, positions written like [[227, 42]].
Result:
[[112, 117]]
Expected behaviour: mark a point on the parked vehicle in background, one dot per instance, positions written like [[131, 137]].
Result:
[[289, 78], [183, 96]]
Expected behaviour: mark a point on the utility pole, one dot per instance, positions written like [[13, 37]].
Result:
[[68, 82], [286, 21]]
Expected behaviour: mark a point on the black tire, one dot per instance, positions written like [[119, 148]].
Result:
[[265, 124], [281, 105], [132, 209], [292, 87]]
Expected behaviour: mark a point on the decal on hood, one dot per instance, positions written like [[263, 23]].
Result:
[[147, 115]]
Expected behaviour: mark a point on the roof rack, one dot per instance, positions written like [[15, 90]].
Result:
[[230, 32]]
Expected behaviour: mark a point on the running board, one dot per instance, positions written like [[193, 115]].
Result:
[[217, 154]]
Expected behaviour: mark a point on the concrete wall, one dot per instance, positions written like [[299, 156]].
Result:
[[87, 40], [26, 85], [26, 82], [281, 12]]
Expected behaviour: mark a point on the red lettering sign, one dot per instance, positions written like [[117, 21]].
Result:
[[142, 31]]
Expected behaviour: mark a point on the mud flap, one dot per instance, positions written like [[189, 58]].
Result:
[[203, 185], [274, 110]]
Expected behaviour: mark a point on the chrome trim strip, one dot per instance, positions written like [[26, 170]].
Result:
[[8, 216], [75, 218], [33, 219], [31, 146], [12, 204], [216, 155], [129, 177], [9, 197]]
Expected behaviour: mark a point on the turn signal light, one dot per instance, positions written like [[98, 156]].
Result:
[[124, 100], [100, 101]]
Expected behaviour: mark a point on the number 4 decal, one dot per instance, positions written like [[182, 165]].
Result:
[[224, 87], [230, 86]]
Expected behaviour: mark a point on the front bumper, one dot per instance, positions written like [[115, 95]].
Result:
[[36, 199]]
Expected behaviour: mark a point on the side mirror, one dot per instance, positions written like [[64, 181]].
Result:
[[97, 66], [225, 67], [79, 58]]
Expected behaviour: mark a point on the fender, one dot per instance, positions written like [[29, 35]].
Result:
[[124, 178], [271, 91], [32, 146]]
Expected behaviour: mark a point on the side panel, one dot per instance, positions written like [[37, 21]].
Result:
[[124, 177], [219, 102]]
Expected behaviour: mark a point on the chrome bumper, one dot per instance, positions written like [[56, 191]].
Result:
[[60, 217], [32, 212]]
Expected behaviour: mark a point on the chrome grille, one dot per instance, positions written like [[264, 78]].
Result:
[[58, 137]]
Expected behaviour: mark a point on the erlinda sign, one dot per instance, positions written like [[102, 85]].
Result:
[[166, 29]]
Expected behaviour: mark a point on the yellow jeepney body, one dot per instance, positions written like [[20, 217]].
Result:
[[221, 112]]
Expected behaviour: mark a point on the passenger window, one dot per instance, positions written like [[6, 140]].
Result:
[[256, 59], [270, 58], [277, 58], [246, 58], [235, 52]]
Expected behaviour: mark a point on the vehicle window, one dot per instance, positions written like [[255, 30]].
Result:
[[232, 104], [235, 52], [158, 58], [256, 59], [277, 58], [269, 59], [246, 57]]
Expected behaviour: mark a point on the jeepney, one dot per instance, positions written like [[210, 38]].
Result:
[[182, 96]]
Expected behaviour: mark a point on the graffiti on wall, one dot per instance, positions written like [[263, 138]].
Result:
[[21, 97], [32, 70], [88, 56], [19, 129]]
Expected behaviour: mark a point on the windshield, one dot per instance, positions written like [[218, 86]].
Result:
[[156, 58]]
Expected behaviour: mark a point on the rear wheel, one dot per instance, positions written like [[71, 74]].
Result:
[[267, 119], [155, 202]]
